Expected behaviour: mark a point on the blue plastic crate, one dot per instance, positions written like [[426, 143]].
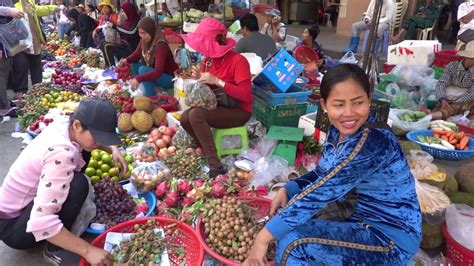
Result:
[[293, 95], [280, 72], [453, 155]]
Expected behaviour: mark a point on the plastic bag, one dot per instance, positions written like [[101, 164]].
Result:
[[348, 58], [231, 142], [266, 169], [182, 139], [76, 41], [421, 164], [460, 222], [15, 36], [258, 148], [200, 95], [413, 75], [86, 214], [432, 200], [146, 176], [400, 126], [460, 119], [111, 35]]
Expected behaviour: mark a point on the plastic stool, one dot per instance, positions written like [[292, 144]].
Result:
[[235, 131], [385, 40]]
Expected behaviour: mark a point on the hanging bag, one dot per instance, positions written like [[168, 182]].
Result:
[[223, 99], [14, 35]]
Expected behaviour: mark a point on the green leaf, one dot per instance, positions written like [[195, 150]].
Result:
[[235, 244], [180, 251]]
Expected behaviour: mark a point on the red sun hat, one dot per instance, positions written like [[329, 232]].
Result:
[[203, 40]]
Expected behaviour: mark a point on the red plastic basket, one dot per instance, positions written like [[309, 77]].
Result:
[[263, 206], [239, 12], [169, 103], [455, 251], [262, 8], [305, 54], [468, 130], [188, 239], [442, 58], [172, 37]]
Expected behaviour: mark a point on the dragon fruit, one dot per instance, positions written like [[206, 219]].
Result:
[[221, 178], [262, 191], [161, 189], [184, 186], [218, 190], [171, 199], [198, 183], [188, 200], [141, 208]]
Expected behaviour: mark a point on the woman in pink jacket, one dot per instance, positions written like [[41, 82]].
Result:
[[44, 189]]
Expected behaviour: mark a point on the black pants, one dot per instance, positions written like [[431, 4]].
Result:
[[114, 50], [23, 64], [13, 232]]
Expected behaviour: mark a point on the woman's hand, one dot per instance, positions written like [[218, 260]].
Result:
[[208, 78], [94, 35], [122, 62], [257, 254], [15, 13], [119, 161], [134, 84], [196, 72], [280, 200], [98, 256]]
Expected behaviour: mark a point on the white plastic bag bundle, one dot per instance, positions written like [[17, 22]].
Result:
[[348, 58], [400, 127], [460, 222], [421, 164]]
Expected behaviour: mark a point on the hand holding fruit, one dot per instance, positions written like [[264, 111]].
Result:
[[280, 200], [97, 256], [119, 161], [257, 254], [15, 13], [196, 72], [134, 84]]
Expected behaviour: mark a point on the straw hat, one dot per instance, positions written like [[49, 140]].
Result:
[[106, 3], [469, 51]]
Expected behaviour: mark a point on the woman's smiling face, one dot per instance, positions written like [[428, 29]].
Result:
[[347, 106]]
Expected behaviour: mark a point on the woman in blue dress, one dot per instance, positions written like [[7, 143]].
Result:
[[360, 156]]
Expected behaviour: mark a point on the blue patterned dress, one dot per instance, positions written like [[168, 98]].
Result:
[[385, 228]]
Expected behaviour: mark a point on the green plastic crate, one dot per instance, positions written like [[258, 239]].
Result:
[[277, 115]]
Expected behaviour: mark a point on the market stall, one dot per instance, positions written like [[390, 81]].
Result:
[[169, 207]]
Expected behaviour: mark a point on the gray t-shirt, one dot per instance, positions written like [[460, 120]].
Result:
[[262, 45]]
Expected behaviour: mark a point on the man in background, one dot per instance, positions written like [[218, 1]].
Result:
[[253, 41], [466, 18], [275, 28]]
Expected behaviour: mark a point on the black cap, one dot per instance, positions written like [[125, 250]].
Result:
[[100, 118]]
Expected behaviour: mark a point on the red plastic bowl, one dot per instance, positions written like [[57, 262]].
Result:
[[455, 251], [188, 238], [171, 105], [305, 54], [263, 206]]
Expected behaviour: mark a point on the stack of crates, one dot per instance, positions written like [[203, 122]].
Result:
[[277, 100]]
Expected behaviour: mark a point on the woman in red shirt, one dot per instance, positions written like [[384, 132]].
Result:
[[152, 62], [223, 69]]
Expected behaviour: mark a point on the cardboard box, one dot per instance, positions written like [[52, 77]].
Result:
[[307, 122], [413, 52]]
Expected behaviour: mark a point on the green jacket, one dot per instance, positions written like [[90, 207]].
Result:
[[431, 13], [38, 11]]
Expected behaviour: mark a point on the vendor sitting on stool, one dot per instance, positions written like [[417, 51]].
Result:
[[44, 190], [309, 39], [225, 70], [455, 88], [153, 50]]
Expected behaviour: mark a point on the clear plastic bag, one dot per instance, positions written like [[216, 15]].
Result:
[[401, 126], [433, 202], [413, 75], [200, 95], [258, 148], [460, 222], [348, 58], [15, 36], [421, 164], [182, 139], [86, 214], [460, 119], [146, 176], [267, 169]]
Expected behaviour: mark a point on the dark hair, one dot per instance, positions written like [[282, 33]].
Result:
[[340, 74], [221, 39], [249, 21], [72, 118], [91, 6], [314, 31]]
